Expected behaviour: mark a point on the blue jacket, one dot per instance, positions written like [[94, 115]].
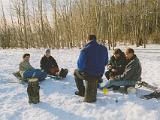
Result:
[[93, 59]]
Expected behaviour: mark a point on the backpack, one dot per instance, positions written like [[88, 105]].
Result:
[[33, 91], [63, 73]]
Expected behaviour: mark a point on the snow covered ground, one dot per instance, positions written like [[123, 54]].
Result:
[[58, 101]]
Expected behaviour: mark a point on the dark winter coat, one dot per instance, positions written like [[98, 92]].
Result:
[[93, 59], [118, 64], [47, 63], [132, 70]]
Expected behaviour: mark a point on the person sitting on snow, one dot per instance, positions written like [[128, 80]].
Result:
[[131, 74], [50, 66], [27, 71], [116, 64], [91, 65]]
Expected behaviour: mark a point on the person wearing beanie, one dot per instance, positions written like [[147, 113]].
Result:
[[49, 64]]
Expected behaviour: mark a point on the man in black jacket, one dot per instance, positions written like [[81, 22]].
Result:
[[116, 64], [49, 64]]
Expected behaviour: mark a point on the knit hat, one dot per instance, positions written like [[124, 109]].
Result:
[[48, 51]]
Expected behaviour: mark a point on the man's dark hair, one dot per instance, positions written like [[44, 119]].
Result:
[[92, 37], [26, 54], [130, 50]]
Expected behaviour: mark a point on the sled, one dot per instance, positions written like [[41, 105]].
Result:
[[147, 85], [20, 79], [155, 94], [62, 74]]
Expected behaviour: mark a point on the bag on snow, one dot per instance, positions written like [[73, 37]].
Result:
[[33, 91], [63, 73]]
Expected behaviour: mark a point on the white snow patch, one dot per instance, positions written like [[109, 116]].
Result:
[[58, 101]]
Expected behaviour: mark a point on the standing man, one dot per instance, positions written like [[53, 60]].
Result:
[[91, 65]]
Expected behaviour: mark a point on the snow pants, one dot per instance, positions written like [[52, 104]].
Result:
[[35, 73]]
